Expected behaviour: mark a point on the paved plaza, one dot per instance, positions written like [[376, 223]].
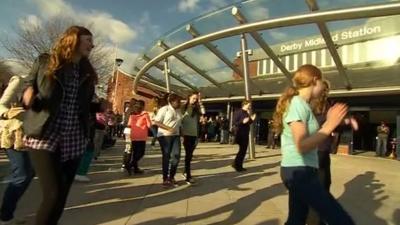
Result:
[[368, 187]]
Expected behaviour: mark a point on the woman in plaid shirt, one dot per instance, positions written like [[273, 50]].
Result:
[[61, 89]]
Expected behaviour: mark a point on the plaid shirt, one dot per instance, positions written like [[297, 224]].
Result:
[[64, 134]]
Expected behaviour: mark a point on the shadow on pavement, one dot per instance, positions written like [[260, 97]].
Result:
[[364, 195]]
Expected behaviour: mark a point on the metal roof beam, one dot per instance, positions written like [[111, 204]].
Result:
[[154, 82], [191, 65], [192, 30], [175, 76], [150, 78], [385, 9], [260, 41], [313, 6]]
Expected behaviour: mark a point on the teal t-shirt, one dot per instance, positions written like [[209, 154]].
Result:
[[298, 110]]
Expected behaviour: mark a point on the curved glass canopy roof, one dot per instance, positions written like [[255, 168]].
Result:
[[356, 44]]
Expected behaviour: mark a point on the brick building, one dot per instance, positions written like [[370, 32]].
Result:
[[124, 93]]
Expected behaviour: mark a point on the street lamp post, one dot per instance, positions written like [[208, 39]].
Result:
[[117, 64]]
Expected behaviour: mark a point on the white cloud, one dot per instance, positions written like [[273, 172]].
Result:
[[147, 26], [258, 13], [52, 8], [116, 30], [104, 23], [215, 4], [278, 35], [193, 6], [128, 57], [30, 22], [117, 52], [188, 5]]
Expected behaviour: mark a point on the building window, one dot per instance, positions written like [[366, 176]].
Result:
[[318, 58]]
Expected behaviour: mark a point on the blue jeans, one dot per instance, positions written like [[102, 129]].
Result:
[[381, 146], [20, 178], [305, 190], [171, 153]]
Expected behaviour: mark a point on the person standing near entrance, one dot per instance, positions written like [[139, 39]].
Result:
[[271, 140], [61, 88], [191, 112], [381, 140], [300, 137], [242, 120]]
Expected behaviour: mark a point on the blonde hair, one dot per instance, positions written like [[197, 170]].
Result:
[[64, 49], [304, 77], [320, 104]]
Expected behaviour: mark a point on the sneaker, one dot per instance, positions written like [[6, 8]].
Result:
[[166, 184], [184, 176], [174, 182], [190, 181], [81, 178], [238, 169]]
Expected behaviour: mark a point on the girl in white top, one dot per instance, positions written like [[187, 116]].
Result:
[[168, 120]]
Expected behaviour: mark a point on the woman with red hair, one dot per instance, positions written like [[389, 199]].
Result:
[[58, 98]]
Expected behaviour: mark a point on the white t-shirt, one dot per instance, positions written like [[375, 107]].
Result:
[[171, 117]]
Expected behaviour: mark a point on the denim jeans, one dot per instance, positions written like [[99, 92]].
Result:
[[381, 146], [20, 178], [305, 190], [224, 137], [171, 153]]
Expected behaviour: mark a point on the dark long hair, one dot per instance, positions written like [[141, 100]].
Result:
[[196, 107]]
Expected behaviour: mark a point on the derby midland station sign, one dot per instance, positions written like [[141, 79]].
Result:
[[336, 37]]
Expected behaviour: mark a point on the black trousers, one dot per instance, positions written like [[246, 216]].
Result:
[[138, 148], [305, 190], [131, 158], [243, 141], [55, 179], [189, 143]]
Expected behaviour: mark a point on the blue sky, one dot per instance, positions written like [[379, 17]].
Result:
[[132, 24]]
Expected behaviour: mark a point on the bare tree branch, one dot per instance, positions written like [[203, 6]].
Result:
[[34, 40]]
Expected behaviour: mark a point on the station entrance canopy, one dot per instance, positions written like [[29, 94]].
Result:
[[355, 43]]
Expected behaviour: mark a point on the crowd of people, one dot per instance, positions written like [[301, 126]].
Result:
[[54, 125]]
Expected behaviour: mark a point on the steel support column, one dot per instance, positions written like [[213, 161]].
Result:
[[192, 30], [243, 43], [171, 74], [260, 41], [192, 66], [166, 73]]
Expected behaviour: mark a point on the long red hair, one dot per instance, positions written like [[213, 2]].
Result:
[[63, 50], [303, 77]]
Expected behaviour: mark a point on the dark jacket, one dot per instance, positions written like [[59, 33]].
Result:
[[50, 92], [243, 129]]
